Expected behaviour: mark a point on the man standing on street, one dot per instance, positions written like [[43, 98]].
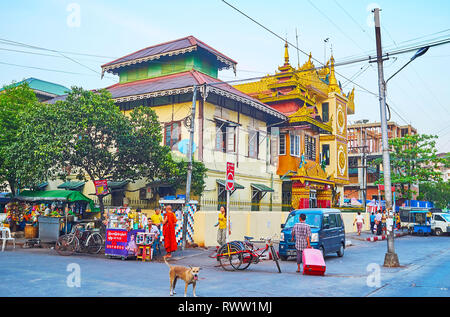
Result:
[[301, 231]]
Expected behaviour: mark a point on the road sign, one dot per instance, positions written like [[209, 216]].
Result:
[[229, 184], [381, 187]]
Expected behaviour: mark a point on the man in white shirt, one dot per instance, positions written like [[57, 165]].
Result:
[[359, 220], [152, 228]]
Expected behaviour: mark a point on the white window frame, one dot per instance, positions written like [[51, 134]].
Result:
[[282, 136]]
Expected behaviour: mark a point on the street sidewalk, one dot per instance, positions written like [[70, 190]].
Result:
[[368, 236]]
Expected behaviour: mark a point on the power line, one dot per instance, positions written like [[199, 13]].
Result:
[[356, 23], [285, 40], [14, 43], [46, 69], [335, 25]]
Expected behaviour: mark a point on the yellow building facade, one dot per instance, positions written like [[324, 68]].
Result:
[[229, 126], [318, 89]]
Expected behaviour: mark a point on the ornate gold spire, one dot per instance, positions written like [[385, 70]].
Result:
[[333, 86], [286, 54]]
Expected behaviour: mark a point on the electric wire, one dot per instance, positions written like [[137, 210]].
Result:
[[335, 25]]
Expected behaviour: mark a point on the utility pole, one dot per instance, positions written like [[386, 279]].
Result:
[[391, 258], [365, 170], [189, 171]]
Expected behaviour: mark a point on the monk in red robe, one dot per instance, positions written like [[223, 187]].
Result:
[[170, 241]]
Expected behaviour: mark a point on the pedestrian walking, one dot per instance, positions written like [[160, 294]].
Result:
[[378, 218], [359, 220], [170, 241], [301, 232], [372, 221], [222, 223], [383, 222]]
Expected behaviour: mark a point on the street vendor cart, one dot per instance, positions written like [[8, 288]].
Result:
[[50, 209], [122, 232]]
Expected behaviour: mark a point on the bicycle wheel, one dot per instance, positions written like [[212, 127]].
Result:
[[275, 257], [246, 260], [229, 256], [67, 244], [94, 243]]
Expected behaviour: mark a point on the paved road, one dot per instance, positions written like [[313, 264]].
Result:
[[425, 272]]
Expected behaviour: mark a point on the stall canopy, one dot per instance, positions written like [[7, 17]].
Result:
[[55, 195], [5, 198], [72, 185]]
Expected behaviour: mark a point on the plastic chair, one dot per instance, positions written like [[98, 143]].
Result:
[[6, 236]]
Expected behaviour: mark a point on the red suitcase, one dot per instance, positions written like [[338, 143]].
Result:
[[313, 262]]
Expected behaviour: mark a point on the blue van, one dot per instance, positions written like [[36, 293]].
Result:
[[327, 231]]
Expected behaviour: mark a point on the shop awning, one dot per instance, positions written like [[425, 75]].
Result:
[[117, 185], [262, 188], [221, 182], [52, 195], [42, 186], [236, 185], [5, 198], [72, 185], [161, 183]]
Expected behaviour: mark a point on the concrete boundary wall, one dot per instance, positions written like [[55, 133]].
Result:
[[257, 224]]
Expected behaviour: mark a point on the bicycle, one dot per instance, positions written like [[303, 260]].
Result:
[[79, 241], [240, 254]]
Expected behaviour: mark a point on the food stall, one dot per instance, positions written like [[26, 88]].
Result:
[[123, 226], [48, 210], [178, 207]]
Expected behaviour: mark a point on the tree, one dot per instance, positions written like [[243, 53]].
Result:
[[26, 154], [103, 143], [438, 193], [414, 161], [197, 179]]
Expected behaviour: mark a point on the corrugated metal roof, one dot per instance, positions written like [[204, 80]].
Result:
[[167, 47], [144, 88], [44, 86]]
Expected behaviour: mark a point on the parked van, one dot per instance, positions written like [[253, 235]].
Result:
[[440, 223], [327, 231]]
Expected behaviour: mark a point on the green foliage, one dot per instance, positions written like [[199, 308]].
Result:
[[197, 179], [18, 165], [87, 135], [438, 193], [414, 160]]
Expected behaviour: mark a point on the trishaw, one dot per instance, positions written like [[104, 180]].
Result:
[[421, 222]]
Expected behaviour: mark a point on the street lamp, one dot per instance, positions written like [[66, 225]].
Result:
[[391, 258], [419, 53]]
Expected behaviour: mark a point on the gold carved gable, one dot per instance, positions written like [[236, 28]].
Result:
[[312, 169]]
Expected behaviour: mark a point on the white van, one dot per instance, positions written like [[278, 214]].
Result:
[[440, 223]]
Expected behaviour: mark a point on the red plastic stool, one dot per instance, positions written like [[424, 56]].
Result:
[[144, 251]]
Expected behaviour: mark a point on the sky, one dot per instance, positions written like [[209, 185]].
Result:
[[105, 30]]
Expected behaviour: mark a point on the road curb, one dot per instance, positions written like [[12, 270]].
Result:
[[384, 237]]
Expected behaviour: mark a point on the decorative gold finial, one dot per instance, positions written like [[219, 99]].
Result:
[[334, 87], [286, 54]]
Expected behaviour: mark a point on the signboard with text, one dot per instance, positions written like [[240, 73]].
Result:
[[101, 187], [120, 242]]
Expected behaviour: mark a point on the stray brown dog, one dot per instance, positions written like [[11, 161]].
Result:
[[188, 275]]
